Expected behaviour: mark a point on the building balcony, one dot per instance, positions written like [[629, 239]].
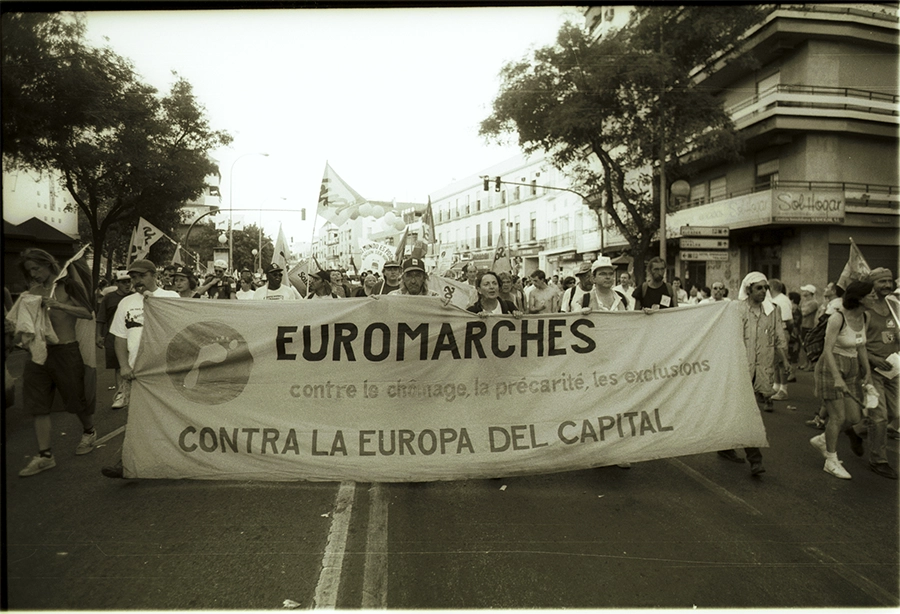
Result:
[[816, 102]]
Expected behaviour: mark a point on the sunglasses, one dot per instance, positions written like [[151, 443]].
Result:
[[765, 287]]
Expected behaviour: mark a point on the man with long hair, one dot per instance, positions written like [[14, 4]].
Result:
[[59, 366]]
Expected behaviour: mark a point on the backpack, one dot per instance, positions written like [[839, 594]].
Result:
[[814, 342], [585, 298]]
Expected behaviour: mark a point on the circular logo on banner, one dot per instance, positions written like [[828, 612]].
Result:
[[209, 363]]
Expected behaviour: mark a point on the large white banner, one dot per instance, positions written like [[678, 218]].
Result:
[[403, 389]]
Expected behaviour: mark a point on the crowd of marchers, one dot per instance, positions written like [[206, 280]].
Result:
[[848, 337]]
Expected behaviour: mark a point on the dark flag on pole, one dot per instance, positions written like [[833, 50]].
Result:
[[400, 252], [428, 234], [337, 200]]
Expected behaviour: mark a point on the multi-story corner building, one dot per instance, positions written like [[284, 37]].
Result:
[[544, 225], [820, 120]]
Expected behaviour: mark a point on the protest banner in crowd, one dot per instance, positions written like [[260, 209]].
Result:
[[404, 389]]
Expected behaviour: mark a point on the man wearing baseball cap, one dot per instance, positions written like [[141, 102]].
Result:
[[128, 322], [415, 280], [218, 285], [578, 296], [320, 285], [128, 326], [391, 281], [275, 290]]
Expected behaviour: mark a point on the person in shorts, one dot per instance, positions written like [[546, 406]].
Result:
[[62, 369], [839, 375]]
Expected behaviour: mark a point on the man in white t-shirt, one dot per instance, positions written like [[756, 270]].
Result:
[[274, 290], [781, 300], [128, 326], [128, 323]]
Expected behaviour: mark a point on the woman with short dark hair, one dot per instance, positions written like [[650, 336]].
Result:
[[487, 283]]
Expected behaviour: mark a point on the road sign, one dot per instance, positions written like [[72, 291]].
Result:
[[721, 256], [690, 243], [704, 231]]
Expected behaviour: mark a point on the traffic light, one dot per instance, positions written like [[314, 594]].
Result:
[[497, 184], [303, 215], [487, 183]]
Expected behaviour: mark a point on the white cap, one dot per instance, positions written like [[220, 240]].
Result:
[[603, 262], [220, 264], [808, 288]]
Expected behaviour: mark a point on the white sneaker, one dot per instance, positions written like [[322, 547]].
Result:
[[781, 395], [818, 442], [118, 401], [87, 442], [38, 463], [835, 468]]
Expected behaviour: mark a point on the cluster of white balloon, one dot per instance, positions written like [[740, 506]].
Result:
[[388, 219]]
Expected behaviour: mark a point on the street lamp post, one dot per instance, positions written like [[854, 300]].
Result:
[[231, 206]]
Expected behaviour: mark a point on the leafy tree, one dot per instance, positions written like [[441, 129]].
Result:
[[628, 100], [122, 150], [205, 238]]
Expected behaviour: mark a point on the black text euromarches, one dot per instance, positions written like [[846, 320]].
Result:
[[378, 341]]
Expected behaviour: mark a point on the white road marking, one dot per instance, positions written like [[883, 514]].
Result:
[[374, 595], [333, 560], [108, 436], [715, 488], [859, 581]]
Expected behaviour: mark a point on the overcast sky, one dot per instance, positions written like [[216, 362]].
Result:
[[392, 98]]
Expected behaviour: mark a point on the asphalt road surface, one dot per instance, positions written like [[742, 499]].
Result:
[[675, 533]]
